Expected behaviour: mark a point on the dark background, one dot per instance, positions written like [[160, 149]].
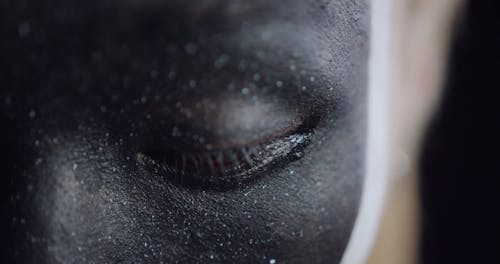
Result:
[[461, 157]]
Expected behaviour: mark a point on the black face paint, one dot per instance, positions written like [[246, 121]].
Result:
[[179, 132]]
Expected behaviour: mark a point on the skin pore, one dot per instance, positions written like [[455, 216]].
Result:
[[182, 131]]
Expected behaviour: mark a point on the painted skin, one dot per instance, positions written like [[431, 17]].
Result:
[[93, 89]]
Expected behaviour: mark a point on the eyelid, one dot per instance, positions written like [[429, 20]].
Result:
[[233, 122], [247, 149], [212, 115], [223, 163], [226, 168]]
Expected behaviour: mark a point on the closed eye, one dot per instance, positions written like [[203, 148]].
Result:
[[221, 169], [235, 142], [217, 106]]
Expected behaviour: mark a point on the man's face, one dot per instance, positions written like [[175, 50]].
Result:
[[183, 131]]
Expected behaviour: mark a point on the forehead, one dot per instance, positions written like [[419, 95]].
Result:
[[68, 37], [198, 9], [338, 20]]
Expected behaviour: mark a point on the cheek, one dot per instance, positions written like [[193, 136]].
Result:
[[80, 207], [94, 202]]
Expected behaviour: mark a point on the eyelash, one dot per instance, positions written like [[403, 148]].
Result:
[[222, 169]]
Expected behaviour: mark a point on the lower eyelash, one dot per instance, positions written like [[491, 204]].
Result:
[[224, 168]]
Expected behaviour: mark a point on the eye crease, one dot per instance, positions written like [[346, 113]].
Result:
[[230, 141], [221, 169]]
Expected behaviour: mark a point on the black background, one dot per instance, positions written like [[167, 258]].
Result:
[[461, 157]]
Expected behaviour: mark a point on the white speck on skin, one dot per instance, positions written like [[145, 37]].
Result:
[[171, 75], [140, 157], [272, 261], [24, 29], [176, 132], [221, 61], [191, 48], [154, 73], [256, 77], [75, 166], [32, 114], [279, 83], [38, 161]]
